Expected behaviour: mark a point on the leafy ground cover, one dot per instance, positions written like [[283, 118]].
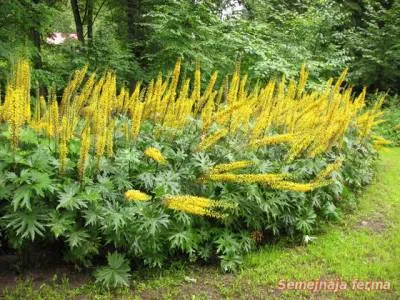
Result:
[[363, 245]]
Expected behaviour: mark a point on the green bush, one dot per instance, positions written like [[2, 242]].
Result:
[[154, 186], [390, 129], [92, 218]]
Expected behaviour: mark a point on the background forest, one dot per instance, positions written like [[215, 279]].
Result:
[[139, 38]]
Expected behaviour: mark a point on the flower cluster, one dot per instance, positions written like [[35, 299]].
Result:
[[156, 155], [196, 205], [246, 178], [271, 140], [329, 169], [220, 168], [84, 152], [212, 139], [136, 195], [16, 109], [92, 107], [299, 187], [379, 141]]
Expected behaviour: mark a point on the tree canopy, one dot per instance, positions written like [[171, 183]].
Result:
[[139, 38]]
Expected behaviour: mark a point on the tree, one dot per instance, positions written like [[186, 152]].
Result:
[[375, 43], [78, 20]]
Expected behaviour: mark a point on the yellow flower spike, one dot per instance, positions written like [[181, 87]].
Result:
[[299, 187], [88, 112], [147, 100], [299, 146], [21, 80], [16, 110], [212, 139], [136, 120], [242, 92], [175, 79], [262, 123], [195, 205], [233, 89], [158, 110], [197, 86], [222, 116], [156, 155], [220, 168], [110, 139], [272, 140], [80, 100], [221, 92], [182, 99], [206, 114], [245, 178], [100, 143], [136, 195], [15, 113], [302, 81], [377, 122], [234, 85], [72, 87], [63, 153], [134, 98], [340, 81], [379, 142], [84, 152], [63, 140], [327, 171], [239, 118], [120, 99], [209, 90], [291, 92], [170, 116]]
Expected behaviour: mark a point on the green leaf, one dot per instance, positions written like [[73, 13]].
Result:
[[69, 199], [26, 224], [22, 198], [76, 238], [116, 273], [60, 223]]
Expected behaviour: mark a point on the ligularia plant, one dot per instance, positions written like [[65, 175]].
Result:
[[174, 167]]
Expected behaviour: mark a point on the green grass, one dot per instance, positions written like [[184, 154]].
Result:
[[364, 245]]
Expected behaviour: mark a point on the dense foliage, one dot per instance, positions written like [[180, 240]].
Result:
[[173, 169], [136, 38], [390, 129]]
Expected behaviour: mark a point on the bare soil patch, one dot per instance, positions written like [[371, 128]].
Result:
[[376, 223]]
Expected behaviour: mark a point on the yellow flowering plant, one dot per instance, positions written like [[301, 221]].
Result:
[[136, 195], [155, 155], [236, 159]]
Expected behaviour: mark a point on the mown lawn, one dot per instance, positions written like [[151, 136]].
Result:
[[364, 246]]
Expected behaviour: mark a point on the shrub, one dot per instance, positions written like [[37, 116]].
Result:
[[163, 172], [390, 128]]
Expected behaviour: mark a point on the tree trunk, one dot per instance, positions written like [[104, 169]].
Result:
[[37, 42], [90, 21], [78, 20], [37, 60], [132, 13]]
